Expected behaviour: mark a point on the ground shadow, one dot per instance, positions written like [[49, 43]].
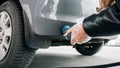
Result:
[[53, 60]]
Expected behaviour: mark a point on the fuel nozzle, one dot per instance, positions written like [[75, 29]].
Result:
[[63, 31]]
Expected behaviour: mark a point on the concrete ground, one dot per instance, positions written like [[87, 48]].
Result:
[[69, 57]]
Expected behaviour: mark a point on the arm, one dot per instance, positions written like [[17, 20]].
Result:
[[106, 23]]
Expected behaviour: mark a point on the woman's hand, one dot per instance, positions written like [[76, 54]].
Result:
[[78, 35]]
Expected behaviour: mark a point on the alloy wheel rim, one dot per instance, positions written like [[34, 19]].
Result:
[[5, 33]]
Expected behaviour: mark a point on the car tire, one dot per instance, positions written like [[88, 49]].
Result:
[[14, 52], [89, 49]]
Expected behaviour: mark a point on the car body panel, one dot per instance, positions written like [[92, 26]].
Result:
[[47, 16]]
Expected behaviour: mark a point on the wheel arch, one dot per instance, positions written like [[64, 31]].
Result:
[[24, 16], [31, 40], [16, 1]]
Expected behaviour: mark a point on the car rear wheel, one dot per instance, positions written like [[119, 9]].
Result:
[[90, 48], [13, 51]]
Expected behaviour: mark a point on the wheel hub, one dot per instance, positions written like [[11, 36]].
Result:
[[5, 33]]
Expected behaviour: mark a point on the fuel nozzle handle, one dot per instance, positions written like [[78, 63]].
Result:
[[63, 31]]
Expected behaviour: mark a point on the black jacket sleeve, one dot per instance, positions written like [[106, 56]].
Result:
[[106, 23]]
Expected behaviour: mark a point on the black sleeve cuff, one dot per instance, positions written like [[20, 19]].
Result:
[[106, 23]]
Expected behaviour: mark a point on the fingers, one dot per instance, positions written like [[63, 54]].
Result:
[[73, 38], [78, 35], [72, 35], [68, 32]]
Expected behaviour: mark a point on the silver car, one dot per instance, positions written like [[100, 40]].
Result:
[[27, 25]]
